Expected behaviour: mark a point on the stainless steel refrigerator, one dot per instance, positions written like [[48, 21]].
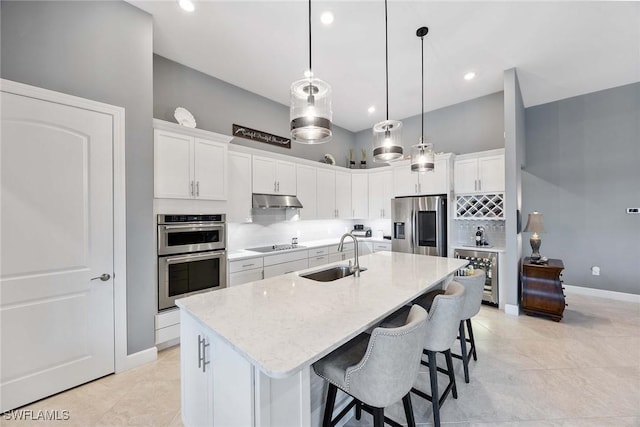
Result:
[[420, 225]]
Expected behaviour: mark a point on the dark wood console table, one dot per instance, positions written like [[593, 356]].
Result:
[[542, 288]]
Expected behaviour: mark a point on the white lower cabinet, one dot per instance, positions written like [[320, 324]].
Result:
[[285, 267], [245, 276], [381, 247], [318, 260], [342, 256], [196, 374], [207, 366]]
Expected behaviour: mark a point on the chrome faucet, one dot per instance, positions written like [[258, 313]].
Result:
[[355, 269]]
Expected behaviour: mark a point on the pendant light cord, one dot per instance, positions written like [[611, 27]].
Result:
[[386, 56], [310, 72], [422, 116]]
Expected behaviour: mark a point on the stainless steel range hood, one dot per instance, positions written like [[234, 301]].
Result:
[[275, 201]]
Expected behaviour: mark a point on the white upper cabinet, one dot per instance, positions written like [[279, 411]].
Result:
[[306, 186], [239, 201], [481, 172], [188, 167], [271, 176], [380, 194], [407, 183], [360, 195], [326, 193], [343, 195], [210, 169]]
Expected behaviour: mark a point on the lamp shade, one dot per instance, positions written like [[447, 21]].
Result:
[[534, 223], [387, 136], [422, 158], [310, 111]]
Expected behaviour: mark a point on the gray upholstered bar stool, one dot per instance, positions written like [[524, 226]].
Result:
[[442, 330], [376, 370], [474, 288]]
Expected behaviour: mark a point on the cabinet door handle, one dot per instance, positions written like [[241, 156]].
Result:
[[191, 191], [479, 185], [274, 186], [202, 355], [419, 188], [416, 188], [278, 186], [247, 265], [197, 188]]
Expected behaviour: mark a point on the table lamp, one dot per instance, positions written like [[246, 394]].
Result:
[[535, 226]]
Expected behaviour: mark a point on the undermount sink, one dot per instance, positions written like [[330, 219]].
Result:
[[331, 274]]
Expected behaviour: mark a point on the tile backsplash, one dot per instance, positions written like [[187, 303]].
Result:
[[464, 231], [279, 226]]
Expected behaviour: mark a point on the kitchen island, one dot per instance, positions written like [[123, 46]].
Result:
[[246, 351]]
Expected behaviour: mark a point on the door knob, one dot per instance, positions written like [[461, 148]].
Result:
[[104, 277]]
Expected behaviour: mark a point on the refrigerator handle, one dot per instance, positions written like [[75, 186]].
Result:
[[414, 231]]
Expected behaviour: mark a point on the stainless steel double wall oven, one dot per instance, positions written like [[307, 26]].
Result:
[[192, 256]]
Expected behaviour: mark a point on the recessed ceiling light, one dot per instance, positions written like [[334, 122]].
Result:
[[187, 5], [326, 18], [470, 75], [371, 109]]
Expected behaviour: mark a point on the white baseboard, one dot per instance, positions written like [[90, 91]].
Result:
[[601, 293], [140, 358], [513, 310]]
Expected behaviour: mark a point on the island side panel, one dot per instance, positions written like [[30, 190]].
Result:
[[283, 401]]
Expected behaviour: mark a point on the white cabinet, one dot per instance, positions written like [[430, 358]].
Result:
[[306, 187], [343, 195], [381, 247], [245, 271], [326, 193], [360, 195], [189, 167], [380, 194], [196, 374], [481, 172], [342, 256], [438, 181], [239, 198], [283, 263], [318, 256], [271, 176], [207, 366]]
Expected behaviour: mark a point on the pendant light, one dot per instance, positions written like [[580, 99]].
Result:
[[310, 111], [387, 134], [422, 156]]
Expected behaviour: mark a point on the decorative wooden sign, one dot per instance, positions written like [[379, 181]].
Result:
[[256, 135]]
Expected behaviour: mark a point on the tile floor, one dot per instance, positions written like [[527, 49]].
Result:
[[583, 371]]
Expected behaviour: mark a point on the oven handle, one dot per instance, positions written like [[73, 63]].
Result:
[[192, 227], [194, 257]]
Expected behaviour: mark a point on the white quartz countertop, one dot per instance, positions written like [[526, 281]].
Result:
[[285, 323], [246, 254]]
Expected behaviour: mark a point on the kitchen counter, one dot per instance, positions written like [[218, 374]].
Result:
[[247, 254], [265, 335]]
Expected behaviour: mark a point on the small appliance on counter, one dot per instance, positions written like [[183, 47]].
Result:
[[360, 230]]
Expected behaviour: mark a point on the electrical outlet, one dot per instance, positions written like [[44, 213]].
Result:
[[595, 271], [633, 210]]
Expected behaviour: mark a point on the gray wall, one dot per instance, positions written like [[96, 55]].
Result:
[[470, 126], [515, 141], [100, 51], [582, 172], [217, 105]]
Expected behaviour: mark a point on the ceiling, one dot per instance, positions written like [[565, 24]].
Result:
[[560, 49]]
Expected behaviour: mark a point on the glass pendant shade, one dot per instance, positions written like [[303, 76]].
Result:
[[310, 111], [387, 137], [422, 158]]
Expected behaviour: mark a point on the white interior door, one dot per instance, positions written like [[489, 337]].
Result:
[[56, 321]]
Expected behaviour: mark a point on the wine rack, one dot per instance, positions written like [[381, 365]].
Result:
[[480, 206]]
